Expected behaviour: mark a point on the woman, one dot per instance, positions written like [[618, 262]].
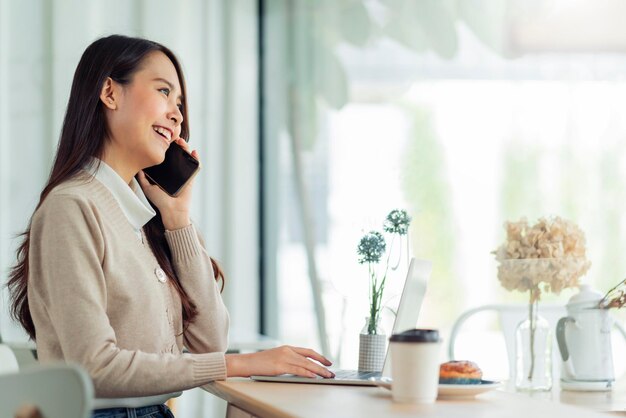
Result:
[[116, 282]]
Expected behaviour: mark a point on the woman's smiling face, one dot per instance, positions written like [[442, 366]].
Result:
[[143, 116]]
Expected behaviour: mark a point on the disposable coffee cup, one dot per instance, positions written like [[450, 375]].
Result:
[[415, 365]]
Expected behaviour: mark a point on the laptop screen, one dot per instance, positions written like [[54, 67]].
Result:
[[410, 301]]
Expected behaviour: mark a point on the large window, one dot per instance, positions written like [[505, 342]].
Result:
[[465, 114]]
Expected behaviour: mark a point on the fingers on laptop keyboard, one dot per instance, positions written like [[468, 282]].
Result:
[[301, 371], [313, 354], [319, 370], [303, 362], [312, 367], [308, 368]]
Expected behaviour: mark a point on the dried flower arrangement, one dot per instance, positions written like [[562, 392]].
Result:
[[548, 256]]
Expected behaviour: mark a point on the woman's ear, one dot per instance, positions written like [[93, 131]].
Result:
[[109, 93]]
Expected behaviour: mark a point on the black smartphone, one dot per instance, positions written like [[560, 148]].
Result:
[[175, 171]]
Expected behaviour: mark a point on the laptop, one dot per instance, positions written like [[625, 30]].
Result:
[[408, 311]]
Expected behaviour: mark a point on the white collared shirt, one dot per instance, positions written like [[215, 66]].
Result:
[[132, 200]]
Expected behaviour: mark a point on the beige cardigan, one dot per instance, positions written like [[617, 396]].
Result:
[[96, 298]]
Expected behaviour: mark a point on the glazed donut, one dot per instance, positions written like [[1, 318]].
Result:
[[460, 372]]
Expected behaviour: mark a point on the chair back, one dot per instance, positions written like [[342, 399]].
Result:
[[56, 390], [8, 361], [25, 353], [509, 317]]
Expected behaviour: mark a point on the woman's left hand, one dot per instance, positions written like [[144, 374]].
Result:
[[174, 210]]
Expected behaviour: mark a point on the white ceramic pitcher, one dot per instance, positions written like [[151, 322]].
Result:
[[584, 339]]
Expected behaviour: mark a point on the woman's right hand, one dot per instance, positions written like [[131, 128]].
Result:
[[280, 360]]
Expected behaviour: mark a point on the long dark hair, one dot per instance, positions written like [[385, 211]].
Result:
[[83, 136]]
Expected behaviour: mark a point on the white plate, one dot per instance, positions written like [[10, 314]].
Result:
[[455, 391], [468, 390]]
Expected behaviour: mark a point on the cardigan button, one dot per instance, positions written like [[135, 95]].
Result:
[[160, 274]]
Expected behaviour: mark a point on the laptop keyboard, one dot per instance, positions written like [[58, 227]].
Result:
[[355, 375]]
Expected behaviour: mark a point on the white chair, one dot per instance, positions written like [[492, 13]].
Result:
[[509, 317], [8, 361], [56, 390], [24, 353]]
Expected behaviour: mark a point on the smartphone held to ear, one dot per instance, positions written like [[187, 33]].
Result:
[[178, 168]]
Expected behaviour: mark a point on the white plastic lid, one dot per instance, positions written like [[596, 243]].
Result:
[[586, 294]]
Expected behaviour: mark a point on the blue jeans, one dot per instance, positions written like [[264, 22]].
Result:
[[155, 411]]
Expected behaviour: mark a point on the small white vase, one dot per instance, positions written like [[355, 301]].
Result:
[[372, 349]]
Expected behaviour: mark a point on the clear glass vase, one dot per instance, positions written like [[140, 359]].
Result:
[[534, 352]]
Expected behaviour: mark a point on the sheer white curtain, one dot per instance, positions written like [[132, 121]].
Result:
[[40, 44]]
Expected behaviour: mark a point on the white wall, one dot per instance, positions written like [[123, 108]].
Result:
[[40, 44]]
